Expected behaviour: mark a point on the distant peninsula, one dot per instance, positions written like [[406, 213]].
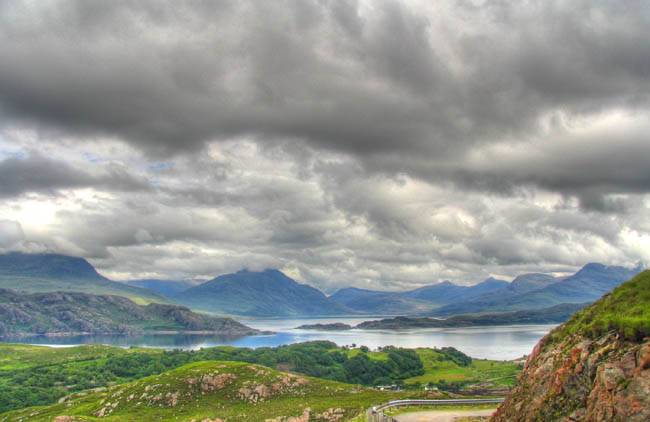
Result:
[[74, 313], [553, 315]]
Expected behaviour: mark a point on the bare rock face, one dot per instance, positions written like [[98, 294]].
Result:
[[580, 379], [255, 393]]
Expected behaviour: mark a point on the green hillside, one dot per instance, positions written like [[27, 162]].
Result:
[[625, 310], [233, 391]]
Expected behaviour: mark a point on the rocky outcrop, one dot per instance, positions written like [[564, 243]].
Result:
[[582, 379], [254, 393]]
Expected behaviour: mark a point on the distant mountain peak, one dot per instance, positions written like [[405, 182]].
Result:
[[48, 264], [259, 293]]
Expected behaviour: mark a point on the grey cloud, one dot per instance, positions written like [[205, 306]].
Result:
[[43, 175], [11, 233], [394, 77]]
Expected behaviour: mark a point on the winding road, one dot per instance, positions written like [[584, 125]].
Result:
[[441, 415], [375, 414]]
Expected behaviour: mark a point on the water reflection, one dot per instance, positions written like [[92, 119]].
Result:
[[503, 342]]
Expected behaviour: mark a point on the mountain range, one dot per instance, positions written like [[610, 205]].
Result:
[[419, 301], [586, 285], [270, 293]]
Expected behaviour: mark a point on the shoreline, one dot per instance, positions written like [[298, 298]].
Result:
[[132, 333]]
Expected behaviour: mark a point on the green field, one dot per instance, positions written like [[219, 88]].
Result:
[[441, 367], [23, 356], [489, 373]]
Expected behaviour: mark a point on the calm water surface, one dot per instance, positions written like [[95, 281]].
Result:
[[502, 342]]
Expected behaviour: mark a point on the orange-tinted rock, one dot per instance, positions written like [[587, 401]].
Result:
[[579, 379]]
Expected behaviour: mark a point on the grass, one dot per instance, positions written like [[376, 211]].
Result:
[[23, 356], [489, 372], [625, 310], [380, 356], [152, 398]]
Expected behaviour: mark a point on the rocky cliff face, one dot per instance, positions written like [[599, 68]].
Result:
[[582, 379]]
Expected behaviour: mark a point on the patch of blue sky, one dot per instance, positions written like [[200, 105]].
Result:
[[7, 150], [90, 157], [161, 166]]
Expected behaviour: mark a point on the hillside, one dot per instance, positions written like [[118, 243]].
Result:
[[215, 391], [165, 288], [586, 285], [53, 272], [61, 313], [552, 315], [595, 367], [38, 375], [266, 293]]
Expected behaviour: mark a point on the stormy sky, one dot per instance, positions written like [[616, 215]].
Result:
[[381, 144]]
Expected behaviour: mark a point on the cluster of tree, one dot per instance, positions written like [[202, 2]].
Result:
[[46, 383], [454, 355]]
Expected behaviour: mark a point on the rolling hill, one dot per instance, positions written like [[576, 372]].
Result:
[[214, 391], [265, 293], [64, 313], [595, 367], [54, 272]]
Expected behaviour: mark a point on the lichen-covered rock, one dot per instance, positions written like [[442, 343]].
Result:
[[304, 417], [332, 415], [579, 379]]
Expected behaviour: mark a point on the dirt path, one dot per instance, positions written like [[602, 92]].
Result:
[[441, 415]]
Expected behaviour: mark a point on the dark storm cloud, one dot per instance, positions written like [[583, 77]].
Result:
[[43, 175], [367, 79]]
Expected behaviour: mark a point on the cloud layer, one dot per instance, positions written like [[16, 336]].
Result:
[[382, 144]]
